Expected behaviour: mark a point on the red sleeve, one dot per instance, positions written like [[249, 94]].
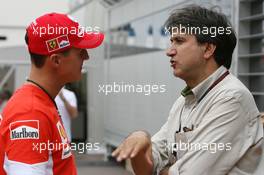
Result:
[[26, 137]]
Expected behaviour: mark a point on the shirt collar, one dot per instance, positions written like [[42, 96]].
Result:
[[186, 91], [200, 89]]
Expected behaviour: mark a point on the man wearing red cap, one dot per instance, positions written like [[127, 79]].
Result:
[[32, 136]]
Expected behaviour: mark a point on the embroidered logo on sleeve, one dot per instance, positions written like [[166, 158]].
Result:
[[58, 43], [24, 129], [66, 152]]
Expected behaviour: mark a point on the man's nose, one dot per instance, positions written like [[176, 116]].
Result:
[[170, 52]]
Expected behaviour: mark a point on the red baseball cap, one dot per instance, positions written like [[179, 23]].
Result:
[[54, 32]]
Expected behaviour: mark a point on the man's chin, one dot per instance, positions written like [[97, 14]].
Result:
[[176, 73]]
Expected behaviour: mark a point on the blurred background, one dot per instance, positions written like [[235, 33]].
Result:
[[133, 54]]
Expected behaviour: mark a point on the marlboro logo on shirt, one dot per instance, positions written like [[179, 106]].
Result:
[[24, 129]]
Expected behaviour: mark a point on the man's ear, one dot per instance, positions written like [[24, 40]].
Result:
[[55, 59], [209, 50]]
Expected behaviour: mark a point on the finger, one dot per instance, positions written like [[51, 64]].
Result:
[[122, 153], [135, 151], [116, 152], [126, 151], [129, 151], [119, 158]]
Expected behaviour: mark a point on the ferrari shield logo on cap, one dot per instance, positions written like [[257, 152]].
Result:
[[52, 45], [58, 43]]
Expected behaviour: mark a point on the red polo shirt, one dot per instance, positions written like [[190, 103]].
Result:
[[32, 137]]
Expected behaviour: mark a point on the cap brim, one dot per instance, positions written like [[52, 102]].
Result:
[[90, 40]]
